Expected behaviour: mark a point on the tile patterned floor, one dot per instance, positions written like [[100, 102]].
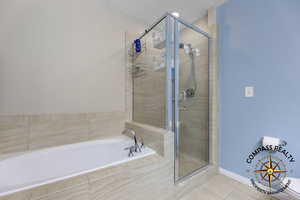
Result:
[[223, 188]]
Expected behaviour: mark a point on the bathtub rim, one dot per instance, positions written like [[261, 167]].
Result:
[[53, 180]]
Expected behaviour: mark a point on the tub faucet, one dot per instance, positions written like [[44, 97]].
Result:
[[136, 147]]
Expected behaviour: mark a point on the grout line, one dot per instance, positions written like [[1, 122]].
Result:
[[28, 132]]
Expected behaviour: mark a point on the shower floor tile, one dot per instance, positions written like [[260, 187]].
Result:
[[223, 188]]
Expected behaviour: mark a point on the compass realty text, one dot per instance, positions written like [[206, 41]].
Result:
[[270, 148]]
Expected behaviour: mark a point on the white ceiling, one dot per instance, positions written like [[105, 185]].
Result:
[[147, 11]]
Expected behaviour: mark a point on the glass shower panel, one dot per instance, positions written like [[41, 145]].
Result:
[[149, 78], [193, 101]]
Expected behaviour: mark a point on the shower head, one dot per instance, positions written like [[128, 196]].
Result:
[[189, 50]]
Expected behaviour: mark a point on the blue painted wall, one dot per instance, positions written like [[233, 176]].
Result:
[[260, 47]]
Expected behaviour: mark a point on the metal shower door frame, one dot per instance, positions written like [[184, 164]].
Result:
[[176, 97], [170, 63]]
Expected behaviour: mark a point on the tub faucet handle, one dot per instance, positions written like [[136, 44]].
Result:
[[142, 142], [138, 148], [131, 150]]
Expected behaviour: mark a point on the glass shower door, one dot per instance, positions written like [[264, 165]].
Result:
[[191, 100]]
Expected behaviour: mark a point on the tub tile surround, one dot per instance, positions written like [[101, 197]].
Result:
[[30, 132], [137, 179], [148, 178], [52, 130], [13, 134]]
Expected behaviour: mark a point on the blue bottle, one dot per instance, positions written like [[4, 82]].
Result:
[[138, 47]]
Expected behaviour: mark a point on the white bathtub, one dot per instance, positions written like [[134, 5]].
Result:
[[45, 166]]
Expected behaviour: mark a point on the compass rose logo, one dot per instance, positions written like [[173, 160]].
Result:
[[270, 171]]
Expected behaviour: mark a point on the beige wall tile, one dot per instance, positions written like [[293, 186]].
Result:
[[29, 132], [103, 125], [54, 130], [13, 134]]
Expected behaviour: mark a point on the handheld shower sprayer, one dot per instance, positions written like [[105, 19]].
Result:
[[191, 85]]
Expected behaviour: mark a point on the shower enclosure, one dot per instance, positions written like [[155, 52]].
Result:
[[170, 73]]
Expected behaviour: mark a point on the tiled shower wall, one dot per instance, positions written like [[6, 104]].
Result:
[[149, 79], [29, 132]]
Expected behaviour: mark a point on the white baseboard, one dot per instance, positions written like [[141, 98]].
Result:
[[246, 181], [235, 176]]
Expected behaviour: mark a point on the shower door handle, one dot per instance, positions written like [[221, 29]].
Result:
[[179, 126], [183, 108]]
